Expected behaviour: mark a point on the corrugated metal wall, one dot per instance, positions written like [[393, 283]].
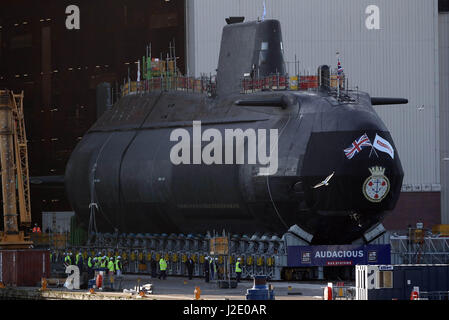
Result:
[[398, 60], [24, 268], [444, 113]]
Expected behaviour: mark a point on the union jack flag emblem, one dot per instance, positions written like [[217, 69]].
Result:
[[339, 69], [357, 146]]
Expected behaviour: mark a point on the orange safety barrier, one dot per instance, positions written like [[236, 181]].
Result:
[[197, 293]]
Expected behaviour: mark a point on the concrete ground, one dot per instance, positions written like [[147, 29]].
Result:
[[173, 288], [180, 288]]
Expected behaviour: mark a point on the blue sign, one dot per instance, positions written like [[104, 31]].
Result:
[[339, 255]]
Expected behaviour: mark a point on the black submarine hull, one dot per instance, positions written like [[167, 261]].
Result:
[[122, 172], [123, 165]]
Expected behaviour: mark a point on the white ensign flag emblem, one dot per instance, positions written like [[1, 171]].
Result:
[[383, 145]]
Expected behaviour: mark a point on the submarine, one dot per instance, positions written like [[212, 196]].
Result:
[[244, 161]]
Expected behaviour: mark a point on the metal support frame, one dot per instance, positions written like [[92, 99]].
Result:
[[431, 250], [14, 167]]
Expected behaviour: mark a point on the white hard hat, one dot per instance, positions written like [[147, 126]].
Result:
[[119, 257], [239, 259]]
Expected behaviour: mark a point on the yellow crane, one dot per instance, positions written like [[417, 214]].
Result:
[[14, 171]]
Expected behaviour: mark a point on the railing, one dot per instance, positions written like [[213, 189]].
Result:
[[175, 83], [434, 295], [270, 83], [337, 88], [340, 292], [428, 250], [59, 241], [343, 293], [285, 82]]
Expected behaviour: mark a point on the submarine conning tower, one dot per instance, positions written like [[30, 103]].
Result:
[[253, 48]]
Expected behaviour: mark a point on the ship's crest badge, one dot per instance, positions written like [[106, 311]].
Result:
[[376, 186]]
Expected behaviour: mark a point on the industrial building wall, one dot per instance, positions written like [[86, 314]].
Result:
[[444, 113], [59, 70], [398, 60]]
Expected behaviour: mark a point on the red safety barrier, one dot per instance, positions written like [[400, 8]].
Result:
[[415, 294], [266, 83], [308, 82], [258, 84], [327, 294], [282, 82], [274, 82], [156, 83], [181, 83], [246, 85], [99, 281], [198, 85]]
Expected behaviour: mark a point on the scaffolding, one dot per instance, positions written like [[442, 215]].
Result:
[[160, 74], [419, 247]]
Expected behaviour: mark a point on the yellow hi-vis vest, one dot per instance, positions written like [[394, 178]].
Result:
[[111, 266], [214, 265], [162, 265], [77, 258], [237, 267]]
